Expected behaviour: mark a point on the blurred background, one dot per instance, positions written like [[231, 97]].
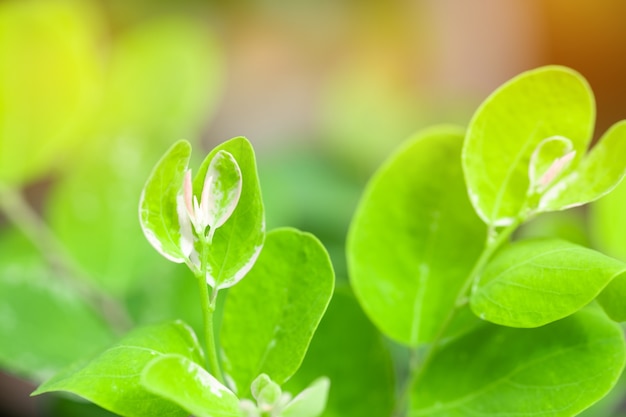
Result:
[[92, 93]]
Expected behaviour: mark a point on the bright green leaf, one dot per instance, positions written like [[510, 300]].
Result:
[[508, 127], [612, 298], [349, 350], [238, 242], [184, 382], [50, 80], [598, 173], [310, 402], [158, 205], [535, 282], [40, 316], [608, 222], [415, 238], [556, 370], [270, 317], [112, 379]]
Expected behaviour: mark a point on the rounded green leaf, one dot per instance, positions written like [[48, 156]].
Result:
[[270, 317], [112, 379], [415, 238], [50, 78], [535, 282], [351, 352], [510, 125], [184, 382], [158, 205], [236, 244], [556, 370]]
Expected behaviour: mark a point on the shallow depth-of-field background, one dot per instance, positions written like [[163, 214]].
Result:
[[93, 92]]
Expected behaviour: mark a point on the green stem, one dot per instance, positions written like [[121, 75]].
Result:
[[494, 242], [21, 214], [207, 303]]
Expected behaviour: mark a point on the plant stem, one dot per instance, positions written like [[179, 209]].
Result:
[[208, 308], [28, 221], [494, 242]]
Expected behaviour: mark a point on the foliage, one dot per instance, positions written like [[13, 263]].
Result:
[[449, 280], [418, 255]]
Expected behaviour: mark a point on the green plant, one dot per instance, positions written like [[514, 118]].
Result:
[[215, 225], [496, 328], [476, 324]]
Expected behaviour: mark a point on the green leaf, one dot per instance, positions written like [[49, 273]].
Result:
[[165, 78], [598, 173], [40, 316], [238, 242], [510, 125], [112, 379], [310, 402], [158, 208], [608, 222], [50, 83], [349, 350], [98, 197], [187, 384], [535, 282], [270, 317], [612, 298], [414, 238], [556, 370]]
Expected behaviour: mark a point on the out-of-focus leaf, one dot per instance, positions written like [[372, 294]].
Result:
[[50, 80], [112, 379], [496, 371], [44, 325], [187, 384], [164, 82], [535, 282], [608, 222], [349, 350], [270, 316], [415, 238], [99, 197]]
